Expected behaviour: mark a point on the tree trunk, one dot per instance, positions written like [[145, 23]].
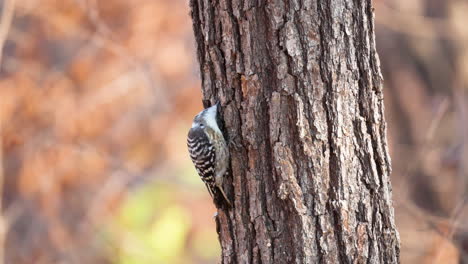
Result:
[[301, 94]]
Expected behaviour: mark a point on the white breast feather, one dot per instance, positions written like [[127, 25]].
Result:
[[210, 118]]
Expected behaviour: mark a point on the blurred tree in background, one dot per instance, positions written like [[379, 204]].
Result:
[[96, 98]]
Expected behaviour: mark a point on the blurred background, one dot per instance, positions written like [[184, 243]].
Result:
[[96, 98]]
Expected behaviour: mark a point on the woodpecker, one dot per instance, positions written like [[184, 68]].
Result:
[[209, 152]]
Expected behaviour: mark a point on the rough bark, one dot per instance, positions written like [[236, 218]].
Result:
[[301, 92]]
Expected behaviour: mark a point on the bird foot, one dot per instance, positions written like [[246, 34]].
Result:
[[235, 142]]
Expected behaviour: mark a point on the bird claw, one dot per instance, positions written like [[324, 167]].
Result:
[[235, 142]]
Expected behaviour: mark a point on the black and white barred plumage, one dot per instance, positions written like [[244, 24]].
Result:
[[209, 152]]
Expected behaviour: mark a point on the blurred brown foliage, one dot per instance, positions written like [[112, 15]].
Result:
[[423, 48], [96, 98], [91, 93]]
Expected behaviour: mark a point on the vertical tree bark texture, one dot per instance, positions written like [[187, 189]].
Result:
[[301, 93]]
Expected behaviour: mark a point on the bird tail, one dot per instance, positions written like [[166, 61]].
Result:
[[220, 198]]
